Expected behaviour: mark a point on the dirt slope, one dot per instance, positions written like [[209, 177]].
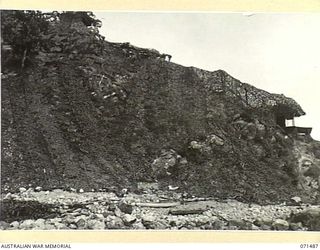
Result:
[[108, 120]]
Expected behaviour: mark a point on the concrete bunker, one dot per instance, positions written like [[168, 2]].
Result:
[[285, 119]]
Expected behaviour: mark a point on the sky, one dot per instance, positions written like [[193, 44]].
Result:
[[277, 52]]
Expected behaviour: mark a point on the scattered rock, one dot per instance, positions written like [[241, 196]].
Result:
[[59, 225], [8, 196], [203, 220], [73, 226], [96, 224], [265, 227], [161, 225], [166, 163], [213, 139], [138, 226], [254, 227], [240, 224], [172, 188], [97, 216], [128, 219], [218, 225], [306, 163], [280, 225], [4, 225], [149, 221], [309, 218], [27, 224], [107, 213], [117, 212], [262, 222], [195, 145], [114, 222], [49, 227], [296, 200], [69, 219], [40, 223], [125, 207], [296, 226], [183, 161], [146, 186], [14, 225], [81, 223], [112, 207]]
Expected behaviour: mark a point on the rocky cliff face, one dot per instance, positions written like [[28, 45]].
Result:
[[111, 118]]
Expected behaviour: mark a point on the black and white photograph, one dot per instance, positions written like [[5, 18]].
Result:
[[146, 120]]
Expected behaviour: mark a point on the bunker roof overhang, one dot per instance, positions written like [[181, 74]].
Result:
[[287, 112], [287, 107]]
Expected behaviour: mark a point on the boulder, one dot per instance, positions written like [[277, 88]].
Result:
[[40, 223], [203, 220], [22, 190], [128, 219], [296, 226], [8, 196], [183, 161], [73, 226], [215, 140], [112, 207], [240, 224], [96, 224], [27, 224], [280, 225], [218, 225], [163, 165], [309, 218], [149, 221], [59, 225], [295, 200], [4, 225], [265, 227], [260, 222], [69, 218], [107, 213], [49, 227], [138, 226], [118, 212], [146, 186], [196, 145], [81, 223], [125, 207], [14, 225], [114, 222], [261, 129], [97, 216]]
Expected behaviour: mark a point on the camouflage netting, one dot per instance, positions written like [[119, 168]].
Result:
[[112, 115], [250, 96]]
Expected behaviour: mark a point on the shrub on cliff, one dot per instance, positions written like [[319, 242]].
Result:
[[28, 32]]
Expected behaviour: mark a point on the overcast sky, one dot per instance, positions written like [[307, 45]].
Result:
[[279, 53]]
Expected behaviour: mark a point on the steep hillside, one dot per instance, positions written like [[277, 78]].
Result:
[[112, 115]]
